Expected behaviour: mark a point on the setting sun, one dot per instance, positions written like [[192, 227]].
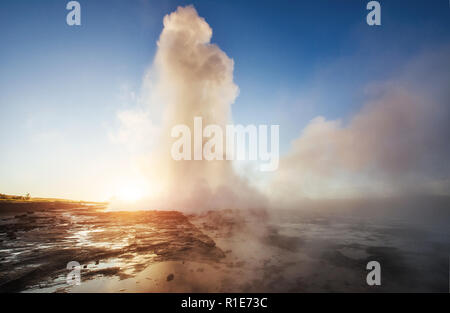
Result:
[[131, 190], [129, 193]]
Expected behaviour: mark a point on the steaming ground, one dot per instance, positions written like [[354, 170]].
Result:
[[327, 250], [320, 248]]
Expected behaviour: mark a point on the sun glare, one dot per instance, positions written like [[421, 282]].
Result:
[[130, 191]]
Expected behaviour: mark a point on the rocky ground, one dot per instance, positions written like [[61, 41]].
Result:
[[37, 240], [215, 251]]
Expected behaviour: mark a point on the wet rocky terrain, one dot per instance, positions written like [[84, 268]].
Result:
[[37, 240], [217, 251]]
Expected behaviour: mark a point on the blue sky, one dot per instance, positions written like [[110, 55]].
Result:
[[61, 86]]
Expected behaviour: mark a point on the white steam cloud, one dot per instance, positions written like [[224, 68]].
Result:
[[396, 144], [190, 77]]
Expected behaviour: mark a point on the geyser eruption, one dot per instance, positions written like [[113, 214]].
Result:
[[394, 145], [191, 77]]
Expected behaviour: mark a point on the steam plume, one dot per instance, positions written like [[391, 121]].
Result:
[[192, 77]]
